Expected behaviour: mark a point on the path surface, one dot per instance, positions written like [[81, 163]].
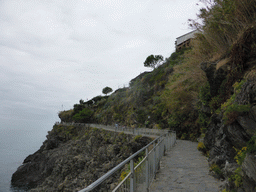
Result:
[[184, 169]]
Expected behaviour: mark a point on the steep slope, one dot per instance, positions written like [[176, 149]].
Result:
[[73, 157], [163, 98], [231, 134]]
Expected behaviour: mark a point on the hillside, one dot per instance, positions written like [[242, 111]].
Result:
[[72, 157], [163, 98], [207, 91]]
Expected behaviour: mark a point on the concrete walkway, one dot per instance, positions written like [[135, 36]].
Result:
[[184, 169]]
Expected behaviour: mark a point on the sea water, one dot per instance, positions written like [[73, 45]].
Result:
[[15, 145]]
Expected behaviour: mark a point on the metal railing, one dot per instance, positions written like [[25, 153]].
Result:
[[141, 176], [118, 128]]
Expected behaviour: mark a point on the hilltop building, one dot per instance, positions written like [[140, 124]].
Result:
[[184, 40]]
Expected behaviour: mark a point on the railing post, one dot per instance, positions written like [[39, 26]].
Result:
[[159, 152], [154, 160], [132, 176], [168, 141], [165, 143], [147, 171], [171, 141]]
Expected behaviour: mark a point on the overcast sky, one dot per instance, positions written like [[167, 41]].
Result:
[[55, 52]]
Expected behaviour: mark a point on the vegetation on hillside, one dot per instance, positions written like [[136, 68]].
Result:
[[172, 95], [153, 61], [107, 90], [227, 38], [163, 98]]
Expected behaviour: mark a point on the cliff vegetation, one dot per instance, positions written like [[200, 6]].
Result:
[[165, 97], [227, 49], [206, 91]]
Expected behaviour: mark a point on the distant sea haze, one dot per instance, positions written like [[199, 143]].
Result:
[[16, 143]]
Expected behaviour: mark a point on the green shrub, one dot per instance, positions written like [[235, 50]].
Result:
[[237, 177], [192, 137], [203, 120], [137, 138], [251, 146], [201, 147], [216, 170], [241, 154], [184, 136], [128, 169], [232, 112], [215, 103], [65, 132], [66, 116], [204, 94], [232, 109], [83, 116]]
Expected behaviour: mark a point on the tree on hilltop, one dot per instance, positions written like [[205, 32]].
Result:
[[107, 90], [153, 61]]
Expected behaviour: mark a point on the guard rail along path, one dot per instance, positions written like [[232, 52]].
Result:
[[142, 175], [126, 130]]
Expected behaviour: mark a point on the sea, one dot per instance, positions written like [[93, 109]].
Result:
[[16, 143]]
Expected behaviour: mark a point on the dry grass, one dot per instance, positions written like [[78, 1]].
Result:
[[251, 75], [222, 63], [223, 21], [184, 84]]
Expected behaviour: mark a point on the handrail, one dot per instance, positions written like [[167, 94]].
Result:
[[112, 171], [133, 131], [152, 159]]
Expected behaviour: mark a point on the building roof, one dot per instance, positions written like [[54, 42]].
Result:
[[186, 37]]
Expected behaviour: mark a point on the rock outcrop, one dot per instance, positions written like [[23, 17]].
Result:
[[230, 130], [72, 157]]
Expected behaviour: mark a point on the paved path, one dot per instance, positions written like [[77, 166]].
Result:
[[184, 169]]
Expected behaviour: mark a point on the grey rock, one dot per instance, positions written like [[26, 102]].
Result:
[[249, 167], [236, 135], [221, 139], [75, 163], [230, 169], [248, 124]]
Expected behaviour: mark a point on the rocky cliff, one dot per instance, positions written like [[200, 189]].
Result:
[[72, 157], [230, 137], [228, 144]]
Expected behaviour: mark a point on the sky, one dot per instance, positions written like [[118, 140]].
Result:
[[55, 52]]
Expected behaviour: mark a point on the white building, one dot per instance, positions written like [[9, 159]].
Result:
[[184, 40]]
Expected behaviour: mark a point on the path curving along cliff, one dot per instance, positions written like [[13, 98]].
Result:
[[185, 169]]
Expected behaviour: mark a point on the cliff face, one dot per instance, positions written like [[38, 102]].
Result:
[[228, 143], [72, 157], [230, 137]]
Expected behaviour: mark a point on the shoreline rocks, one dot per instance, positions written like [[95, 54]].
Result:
[[72, 157]]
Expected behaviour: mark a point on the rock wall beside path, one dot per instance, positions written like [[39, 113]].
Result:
[[230, 139]]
